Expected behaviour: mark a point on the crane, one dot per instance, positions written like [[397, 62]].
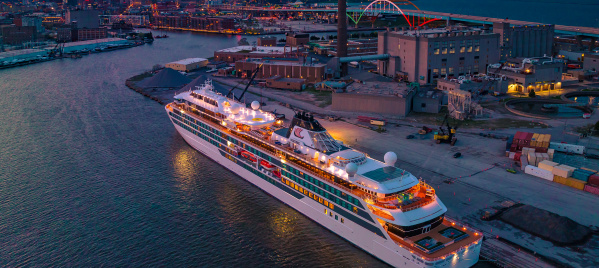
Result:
[[230, 94]]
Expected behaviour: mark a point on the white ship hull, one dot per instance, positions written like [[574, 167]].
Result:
[[384, 249]]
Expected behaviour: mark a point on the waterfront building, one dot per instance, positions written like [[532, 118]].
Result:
[[214, 24], [538, 74], [267, 41], [476, 84], [33, 21], [187, 65], [17, 35], [312, 73], [389, 98], [297, 39], [84, 34], [238, 53], [84, 18], [425, 55], [525, 41]]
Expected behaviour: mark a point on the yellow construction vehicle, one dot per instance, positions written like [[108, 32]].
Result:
[[446, 136]]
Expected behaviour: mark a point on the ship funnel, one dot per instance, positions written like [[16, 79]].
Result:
[[390, 158]]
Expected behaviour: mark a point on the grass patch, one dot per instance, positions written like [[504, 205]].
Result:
[[323, 97]]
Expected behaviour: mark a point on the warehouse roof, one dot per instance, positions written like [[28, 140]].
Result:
[[188, 61]]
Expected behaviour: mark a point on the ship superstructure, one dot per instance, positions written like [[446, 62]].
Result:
[[382, 209]]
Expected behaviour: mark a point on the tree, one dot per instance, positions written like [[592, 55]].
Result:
[[532, 94]]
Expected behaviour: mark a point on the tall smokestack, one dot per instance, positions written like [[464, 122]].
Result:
[[342, 34]]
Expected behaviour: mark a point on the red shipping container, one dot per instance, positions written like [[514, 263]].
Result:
[[528, 138], [594, 180], [591, 189], [517, 156], [540, 150]]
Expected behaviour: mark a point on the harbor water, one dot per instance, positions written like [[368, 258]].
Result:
[[94, 174]]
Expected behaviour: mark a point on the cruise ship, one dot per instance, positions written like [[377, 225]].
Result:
[[374, 205]]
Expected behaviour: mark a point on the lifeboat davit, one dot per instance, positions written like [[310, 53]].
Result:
[[266, 165]]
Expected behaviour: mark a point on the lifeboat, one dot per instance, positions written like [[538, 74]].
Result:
[[266, 165], [276, 173], [249, 156]]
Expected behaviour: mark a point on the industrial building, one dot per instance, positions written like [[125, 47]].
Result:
[[524, 40], [358, 47], [312, 73], [427, 101], [425, 55], [387, 98], [538, 74], [296, 39], [286, 83], [267, 41], [17, 35], [476, 84], [187, 65], [238, 53], [591, 62]]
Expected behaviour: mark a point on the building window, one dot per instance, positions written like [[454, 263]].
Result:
[[342, 221], [436, 51], [423, 105], [326, 211], [477, 48], [443, 71], [461, 70], [462, 49], [470, 49], [444, 51], [450, 70], [399, 47], [336, 217]]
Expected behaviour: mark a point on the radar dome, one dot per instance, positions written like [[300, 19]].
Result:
[[235, 108], [351, 169], [255, 105], [390, 158]]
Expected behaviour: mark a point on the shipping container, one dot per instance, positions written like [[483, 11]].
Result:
[[562, 171], [517, 156], [528, 138], [518, 137], [534, 140], [532, 159], [574, 183], [594, 180], [591, 189], [523, 163], [540, 150], [537, 172], [547, 165], [590, 170]]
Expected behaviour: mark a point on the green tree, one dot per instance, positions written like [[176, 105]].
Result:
[[532, 94]]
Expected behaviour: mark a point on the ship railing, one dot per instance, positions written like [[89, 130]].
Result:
[[406, 243]]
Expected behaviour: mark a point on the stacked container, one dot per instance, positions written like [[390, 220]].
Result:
[[582, 174], [547, 165], [593, 184], [574, 183], [563, 171], [538, 172]]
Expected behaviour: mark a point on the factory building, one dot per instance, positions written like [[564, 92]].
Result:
[[296, 39], [425, 55], [591, 62], [524, 40], [238, 53], [312, 73], [187, 65], [267, 41], [538, 74], [387, 98]]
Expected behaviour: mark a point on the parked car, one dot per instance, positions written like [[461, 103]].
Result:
[[409, 137], [456, 155]]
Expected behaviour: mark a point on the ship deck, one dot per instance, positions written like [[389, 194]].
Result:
[[443, 240]]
